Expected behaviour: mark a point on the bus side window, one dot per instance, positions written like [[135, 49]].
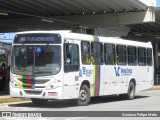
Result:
[[97, 53], [85, 47], [141, 56], [132, 56], [71, 57], [149, 57], [109, 54], [121, 54]]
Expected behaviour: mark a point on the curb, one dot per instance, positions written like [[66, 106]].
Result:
[[8, 99], [156, 88]]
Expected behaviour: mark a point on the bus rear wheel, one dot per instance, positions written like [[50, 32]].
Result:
[[84, 95], [39, 101], [131, 92]]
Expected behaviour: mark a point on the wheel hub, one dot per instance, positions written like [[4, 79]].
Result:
[[83, 95], [132, 91]]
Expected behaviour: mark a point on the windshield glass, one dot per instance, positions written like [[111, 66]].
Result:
[[36, 59]]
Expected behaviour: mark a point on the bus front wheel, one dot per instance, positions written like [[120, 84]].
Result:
[[39, 101], [84, 95]]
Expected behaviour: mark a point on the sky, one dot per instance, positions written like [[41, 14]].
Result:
[[7, 37], [158, 3]]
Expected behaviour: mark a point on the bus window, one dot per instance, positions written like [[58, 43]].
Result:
[[149, 56], [71, 57], [85, 47], [121, 54], [97, 53], [142, 56], [132, 57], [109, 50]]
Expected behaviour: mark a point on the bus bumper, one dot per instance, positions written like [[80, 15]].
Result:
[[36, 93]]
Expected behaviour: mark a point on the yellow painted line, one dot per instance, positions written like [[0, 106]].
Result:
[[156, 88]]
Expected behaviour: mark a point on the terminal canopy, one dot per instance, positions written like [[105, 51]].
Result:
[[22, 15]]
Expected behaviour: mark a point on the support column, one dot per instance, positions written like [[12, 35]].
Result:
[[155, 52]]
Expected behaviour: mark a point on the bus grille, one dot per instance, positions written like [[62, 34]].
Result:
[[36, 81], [33, 92]]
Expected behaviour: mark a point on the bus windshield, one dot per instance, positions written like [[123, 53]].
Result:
[[36, 60]]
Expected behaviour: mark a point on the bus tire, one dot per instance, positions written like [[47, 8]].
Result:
[[37, 101], [84, 95], [131, 92]]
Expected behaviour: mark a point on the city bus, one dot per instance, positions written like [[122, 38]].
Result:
[[60, 65]]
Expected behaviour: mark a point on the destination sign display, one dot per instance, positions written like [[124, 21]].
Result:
[[38, 38]]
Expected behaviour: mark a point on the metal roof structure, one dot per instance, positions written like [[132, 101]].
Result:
[[31, 8], [146, 31], [148, 27], [19, 13]]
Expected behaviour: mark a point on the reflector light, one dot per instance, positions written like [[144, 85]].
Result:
[[52, 94]]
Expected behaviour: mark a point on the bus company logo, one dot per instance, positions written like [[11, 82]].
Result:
[[122, 71], [85, 72]]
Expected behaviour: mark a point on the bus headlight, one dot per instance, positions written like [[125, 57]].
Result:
[[14, 84], [52, 86]]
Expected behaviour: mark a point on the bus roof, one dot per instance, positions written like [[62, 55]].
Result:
[[39, 31], [67, 34]]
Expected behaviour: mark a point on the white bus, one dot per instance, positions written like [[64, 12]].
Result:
[[48, 65]]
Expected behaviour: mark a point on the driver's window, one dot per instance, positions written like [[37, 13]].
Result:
[[71, 57]]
